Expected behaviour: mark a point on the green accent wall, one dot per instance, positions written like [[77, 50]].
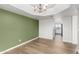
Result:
[[14, 27]]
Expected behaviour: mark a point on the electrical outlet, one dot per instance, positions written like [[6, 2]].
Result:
[[19, 40]]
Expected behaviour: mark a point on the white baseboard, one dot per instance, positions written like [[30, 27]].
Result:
[[63, 40], [67, 41], [75, 43], [18, 45], [45, 38]]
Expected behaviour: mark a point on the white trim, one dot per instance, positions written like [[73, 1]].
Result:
[[63, 40], [67, 41], [18, 45], [45, 38]]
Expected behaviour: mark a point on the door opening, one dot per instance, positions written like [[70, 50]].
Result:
[[58, 30]]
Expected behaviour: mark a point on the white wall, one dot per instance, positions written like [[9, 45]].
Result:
[[67, 29], [75, 29], [77, 48], [46, 28], [78, 28]]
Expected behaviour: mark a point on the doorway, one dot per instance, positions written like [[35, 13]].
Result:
[[58, 30]]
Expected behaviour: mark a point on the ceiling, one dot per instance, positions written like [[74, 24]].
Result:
[[50, 11], [48, 5], [27, 9]]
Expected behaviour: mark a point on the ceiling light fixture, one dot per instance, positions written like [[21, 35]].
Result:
[[40, 8]]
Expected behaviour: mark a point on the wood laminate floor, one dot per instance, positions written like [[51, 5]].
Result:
[[44, 46]]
